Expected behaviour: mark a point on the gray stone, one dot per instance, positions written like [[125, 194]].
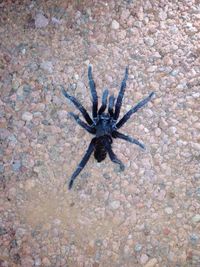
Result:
[[138, 247], [47, 66], [149, 41], [175, 72], [16, 165], [115, 204], [3, 231], [15, 85], [56, 21], [1, 168], [41, 21], [196, 218], [27, 89], [194, 238]]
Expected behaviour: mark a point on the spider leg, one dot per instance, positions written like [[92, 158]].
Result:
[[113, 157], [127, 138], [82, 123], [78, 106], [120, 96], [93, 93], [82, 163], [104, 102], [111, 105], [133, 110]]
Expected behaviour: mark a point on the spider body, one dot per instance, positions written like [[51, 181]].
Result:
[[99, 147], [103, 125]]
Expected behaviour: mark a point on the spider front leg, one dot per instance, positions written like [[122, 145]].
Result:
[[120, 96], [133, 110], [111, 105], [93, 93], [82, 163], [78, 106], [82, 123], [104, 102]]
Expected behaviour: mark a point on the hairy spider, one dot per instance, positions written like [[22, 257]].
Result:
[[103, 125]]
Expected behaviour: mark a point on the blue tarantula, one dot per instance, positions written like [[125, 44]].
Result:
[[104, 126]]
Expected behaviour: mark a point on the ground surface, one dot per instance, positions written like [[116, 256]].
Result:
[[148, 215]]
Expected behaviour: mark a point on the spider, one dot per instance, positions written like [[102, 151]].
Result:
[[103, 125]]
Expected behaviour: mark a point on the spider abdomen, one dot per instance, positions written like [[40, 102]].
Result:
[[100, 148]]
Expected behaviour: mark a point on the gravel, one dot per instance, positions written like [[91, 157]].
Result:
[[147, 215]]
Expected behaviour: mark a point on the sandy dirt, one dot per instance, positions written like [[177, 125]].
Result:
[[147, 215]]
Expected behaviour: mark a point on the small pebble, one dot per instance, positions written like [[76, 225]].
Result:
[[3, 231], [38, 262], [47, 66], [162, 15], [151, 263], [16, 165], [149, 41], [115, 25], [27, 116], [158, 132], [41, 21], [27, 89], [1, 168], [56, 21], [144, 258], [194, 238], [196, 218], [115, 204], [138, 247], [46, 262], [168, 210]]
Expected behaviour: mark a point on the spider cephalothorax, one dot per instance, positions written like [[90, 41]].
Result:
[[104, 126]]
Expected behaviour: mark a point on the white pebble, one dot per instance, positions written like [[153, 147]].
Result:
[[149, 41], [115, 25], [168, 210], [115, 204], [157, 131], [144, 258], [27, 116], [151, 263]]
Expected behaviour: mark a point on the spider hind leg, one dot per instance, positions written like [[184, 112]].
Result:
[[120, 96], [113, 157], [82, 163], [128, 138]]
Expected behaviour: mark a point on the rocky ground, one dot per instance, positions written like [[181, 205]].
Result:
[[148, 215]]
